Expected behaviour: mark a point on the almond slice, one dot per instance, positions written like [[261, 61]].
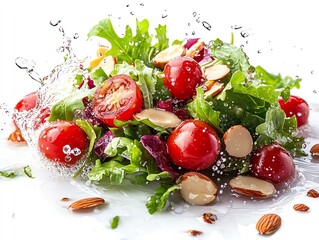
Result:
[[213, 88], [86, 203], [268, 223], [159, 117], [193, 232], [16, 136], [209, 218], [167, 54], [195, 49], [216, 71], [197, 189], [238, 141], [252, 187]]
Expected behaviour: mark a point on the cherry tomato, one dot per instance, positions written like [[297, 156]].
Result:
[[63, 142], [296, 106], [27, 103], [194, 145], [273, 163], [119, 98], [181, 76]]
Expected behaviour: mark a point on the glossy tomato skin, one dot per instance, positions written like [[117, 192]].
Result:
[[63, 142], [119, 98], [273, 163], [181, 77], [296, 106], [194, 145], [29, 102]]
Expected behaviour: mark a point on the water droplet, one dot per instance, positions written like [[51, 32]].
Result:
[[55, 23], [164, 15], [76, 36], [259, 51], [131, 12], [66, 149], [76, 151], [236, 27], [194, 14], [244, 34], [207, 25], [142, 4], [62, 31], [23, 63]]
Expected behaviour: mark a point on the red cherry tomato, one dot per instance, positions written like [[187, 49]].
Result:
[[181, 76], [194, 145], [63, 142], [119, 98], [296, 106], [29, 102], [273, 163]]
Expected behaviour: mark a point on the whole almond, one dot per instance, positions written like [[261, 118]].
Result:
[[315, 150], [313, 193], [268, 223], [86, 203], [301, 207]]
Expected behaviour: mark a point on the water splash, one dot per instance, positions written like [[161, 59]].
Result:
[[207, 25], [29, 66]]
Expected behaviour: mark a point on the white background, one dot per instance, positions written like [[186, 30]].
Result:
[[283, 37]]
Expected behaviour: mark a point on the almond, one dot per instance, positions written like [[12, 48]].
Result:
[[65, 199], [315, 150], [209, 217], [252, 187], [313, 193], [213, 88], [167, 54], [195, 49], [268, 223], [216, 72], [16, 136], [238, 141], [194, 232], [86, 203], [159, 117], [197, 189], [301, 207]]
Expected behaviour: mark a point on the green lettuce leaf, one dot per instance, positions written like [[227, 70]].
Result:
[[131, 47], [64, 109], [231, 55], [280, 129], [158, 201], [201, 109]]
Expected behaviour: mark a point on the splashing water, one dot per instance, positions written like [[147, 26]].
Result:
[[54, 87]]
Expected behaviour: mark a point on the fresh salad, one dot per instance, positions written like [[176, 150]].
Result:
[[175, 114]]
